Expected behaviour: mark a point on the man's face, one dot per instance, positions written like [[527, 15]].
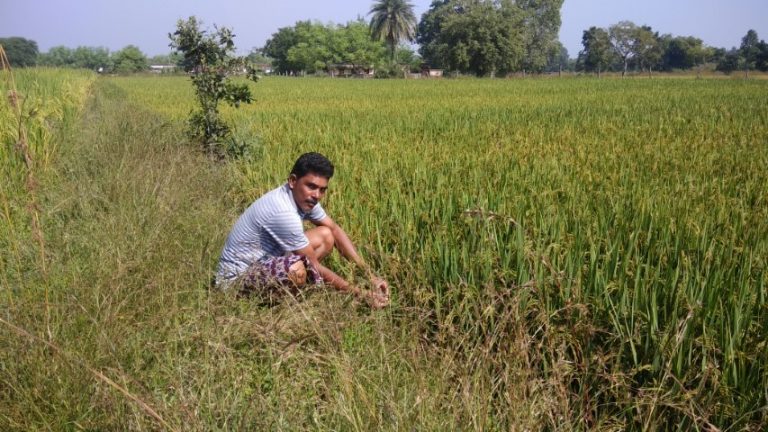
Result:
[[307, 190]]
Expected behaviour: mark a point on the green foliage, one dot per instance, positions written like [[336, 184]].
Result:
[[622, 36], [559, 59], [125, 61], [277, 48], [392, 21], [95, 58], [481, 37], [21, 52], [208, 57], [257, 56], [641, 48], [597, 53], [489, 37], [761, 60], [173, 58], [750, 50], [408, 58], [313, 47], [683, 52], [730, 62], [353, 45], [129, 60], [542, 25], [58, 56], [647, 47]]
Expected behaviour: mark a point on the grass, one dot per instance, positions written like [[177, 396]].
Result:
[[565, 254]]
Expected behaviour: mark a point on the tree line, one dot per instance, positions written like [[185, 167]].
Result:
[[310, 47], [625, 45], [23, 52], [478, 37]]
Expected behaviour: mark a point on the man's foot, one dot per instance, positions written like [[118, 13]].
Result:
[[297, 273]]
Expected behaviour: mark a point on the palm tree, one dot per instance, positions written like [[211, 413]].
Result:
[[392, 21]]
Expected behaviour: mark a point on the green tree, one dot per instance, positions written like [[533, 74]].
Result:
[[681, 52], [481, 37], [312, 51], [392, 21], [598, 51], [277, 48], [762, 57], [408, 58], [647, 48], [91, 58], [58, 56], [353, 44], [749, 51], [429, 29], [129, 59], [258, 56], [486, 37], [542, 25], [209, 58], [558, 59], [21, 52], [313, 47], [622, 36], [729, 62]]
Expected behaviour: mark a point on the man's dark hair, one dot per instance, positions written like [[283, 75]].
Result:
[[313, 163]]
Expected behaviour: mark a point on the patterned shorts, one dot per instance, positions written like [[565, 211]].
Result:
[[269, 276]]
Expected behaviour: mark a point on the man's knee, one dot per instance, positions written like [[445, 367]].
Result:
[[327, 236], [297, 273]]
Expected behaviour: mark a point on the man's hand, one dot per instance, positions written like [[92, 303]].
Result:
[[374, 299], [380, 286]]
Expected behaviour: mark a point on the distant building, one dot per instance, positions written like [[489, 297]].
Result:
[[265, 68], [164, 68], [346, 70], [428, 72]]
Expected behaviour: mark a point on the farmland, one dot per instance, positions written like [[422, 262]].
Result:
[[564, 254]]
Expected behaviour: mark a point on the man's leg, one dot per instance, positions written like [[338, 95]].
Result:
[[321, 240]]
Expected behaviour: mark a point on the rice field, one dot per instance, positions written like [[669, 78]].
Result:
[[573, 253]]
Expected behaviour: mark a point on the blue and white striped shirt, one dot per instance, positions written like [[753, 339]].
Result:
[[271, 226]]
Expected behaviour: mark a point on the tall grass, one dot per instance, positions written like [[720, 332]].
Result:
[[35, 103], [633, 214], [565, 254]]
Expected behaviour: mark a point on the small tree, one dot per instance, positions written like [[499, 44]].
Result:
[[729, 62], [597, 53], [129, 60], [647, 48], [622, 36], [208, 57], [749, 51]]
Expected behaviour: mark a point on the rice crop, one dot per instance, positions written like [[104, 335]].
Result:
[[564, 254], [37, 103], [629, 217]]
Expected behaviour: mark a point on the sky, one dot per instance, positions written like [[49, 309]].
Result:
[[146, 23]]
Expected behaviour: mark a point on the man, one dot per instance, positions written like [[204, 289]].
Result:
[[268, 248]]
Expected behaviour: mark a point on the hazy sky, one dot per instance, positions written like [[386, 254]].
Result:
[[145, 23]]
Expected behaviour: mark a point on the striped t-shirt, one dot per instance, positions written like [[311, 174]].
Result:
[[271, 226]]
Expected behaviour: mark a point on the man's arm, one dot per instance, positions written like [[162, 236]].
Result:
[[348, 251], [329, 276]]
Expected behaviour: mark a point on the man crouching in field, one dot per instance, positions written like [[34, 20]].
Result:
[[268, 250]]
